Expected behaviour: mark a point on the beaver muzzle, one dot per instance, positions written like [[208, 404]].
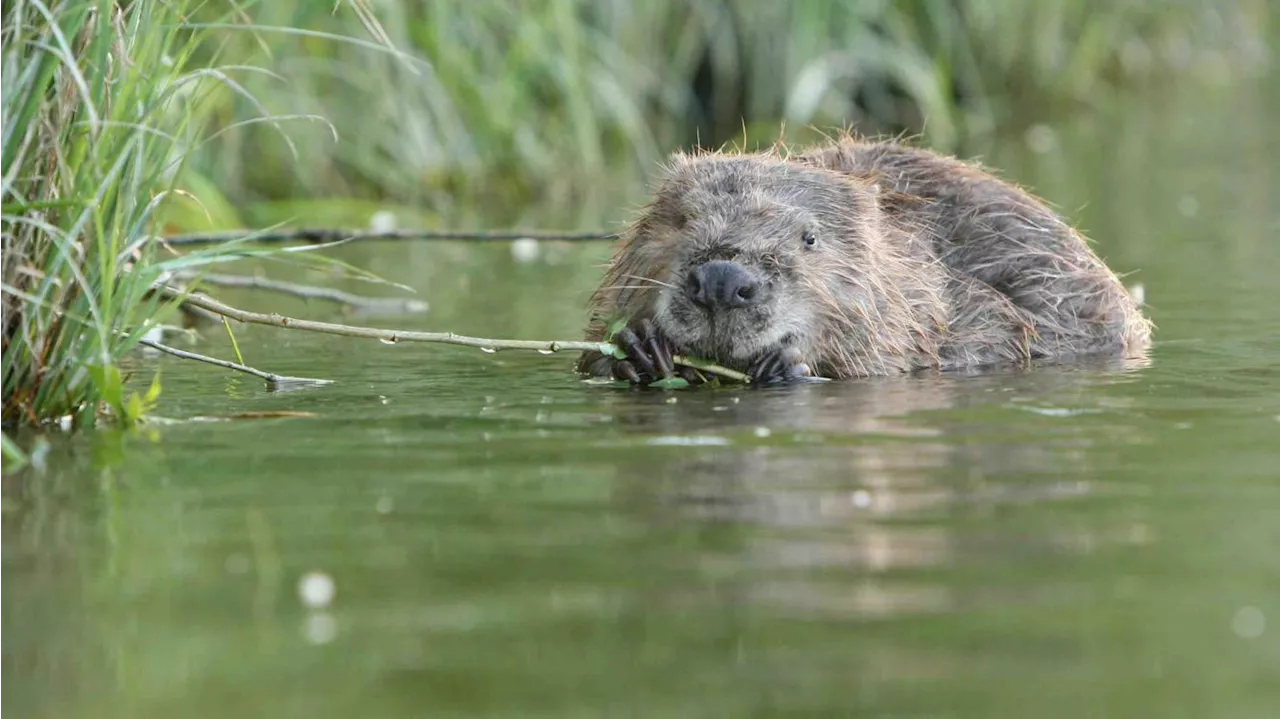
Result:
[[720, 285]]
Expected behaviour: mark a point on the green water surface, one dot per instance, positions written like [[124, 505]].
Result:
[[1092, 540]]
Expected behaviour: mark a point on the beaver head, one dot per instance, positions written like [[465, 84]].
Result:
[[738, 256]]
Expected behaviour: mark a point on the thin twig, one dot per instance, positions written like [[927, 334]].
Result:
[[322, 235], [191, 311], [310, 292], [394, 336], [274, 381]]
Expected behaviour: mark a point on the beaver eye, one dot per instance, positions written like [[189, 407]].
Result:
[[809, 239]]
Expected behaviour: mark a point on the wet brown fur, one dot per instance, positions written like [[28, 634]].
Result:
[[925, 262]]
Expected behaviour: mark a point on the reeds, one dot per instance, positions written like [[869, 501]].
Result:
[[100, 101], [519, 100]]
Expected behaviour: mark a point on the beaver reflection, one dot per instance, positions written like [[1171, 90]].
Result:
[[819, 478]]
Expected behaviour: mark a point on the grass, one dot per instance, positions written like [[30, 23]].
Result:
[[101, 102], [510, 102], [89, 139]]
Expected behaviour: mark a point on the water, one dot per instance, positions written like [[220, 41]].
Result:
[[454, 533]]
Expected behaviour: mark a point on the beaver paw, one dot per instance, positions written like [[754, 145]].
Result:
[[649, 354], [780, 366]]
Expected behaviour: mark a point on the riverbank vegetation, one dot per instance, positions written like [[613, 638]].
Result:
[[124, 121], [507, 102]]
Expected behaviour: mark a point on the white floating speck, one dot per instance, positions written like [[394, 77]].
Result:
[[691, 441], [1138, 292], [155, 333], [763, 432], [320, 628], [382, 221], [524, 249], [862, 499], [385, 504], [1249, 623], [316, 590], [1059, 411]]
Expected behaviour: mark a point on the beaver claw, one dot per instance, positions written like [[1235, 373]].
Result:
[[780, 366], [649, 355]]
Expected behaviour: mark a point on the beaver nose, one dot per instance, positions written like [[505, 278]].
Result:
[[722, 285]]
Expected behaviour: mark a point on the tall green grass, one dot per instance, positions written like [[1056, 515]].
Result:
[[511, 101], [93, 135], [101, 102]]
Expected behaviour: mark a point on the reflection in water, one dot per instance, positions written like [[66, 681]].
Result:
[[865, 478]]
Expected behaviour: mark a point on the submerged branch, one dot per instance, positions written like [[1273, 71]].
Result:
[[309, 292], [274, 381], [394, 336], [324, 235]]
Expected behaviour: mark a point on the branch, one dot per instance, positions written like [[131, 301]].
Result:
[[394, 336], [324, 235], [274, 381], [361, 302]]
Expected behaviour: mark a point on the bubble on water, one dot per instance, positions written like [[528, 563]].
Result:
[[153, 334], [382, 221], [524, 249], [316, 590], [763, 432], [862, 499], [320, 628], [690, 441], [389, 340], [1249, 623], [385, 504], [488, 350], [546, 352]]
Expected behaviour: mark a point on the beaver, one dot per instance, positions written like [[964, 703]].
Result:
[[855, 258]]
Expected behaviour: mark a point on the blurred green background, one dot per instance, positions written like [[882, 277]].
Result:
[[505, 103]]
